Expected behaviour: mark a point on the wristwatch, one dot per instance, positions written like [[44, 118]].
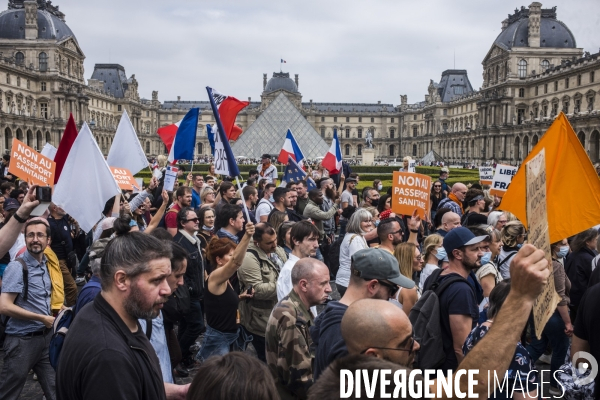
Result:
[[19, 219]]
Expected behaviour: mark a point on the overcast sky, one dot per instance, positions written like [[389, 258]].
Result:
[[344, 51]]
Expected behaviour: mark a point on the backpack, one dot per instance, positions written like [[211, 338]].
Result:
[[426, 321], [334, 255], [24, 293], [161, 224]]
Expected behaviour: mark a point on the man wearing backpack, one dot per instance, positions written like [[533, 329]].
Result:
[[259, 271], [25, 299], [458, 307]]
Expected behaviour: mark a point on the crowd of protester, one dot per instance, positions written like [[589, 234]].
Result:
[[169, 284]]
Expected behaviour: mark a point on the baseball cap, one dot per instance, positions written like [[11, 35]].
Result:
[[11, 204], [348, 180], [266, 156], [375, 263], [459, 237]]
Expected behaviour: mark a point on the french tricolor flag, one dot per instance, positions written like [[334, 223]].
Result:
[[228, 108], [184, 140], [290, 148], [333, 159]]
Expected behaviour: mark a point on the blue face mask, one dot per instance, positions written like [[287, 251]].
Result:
[[562, 253], [440, 253], [376, 223], [272, 199], [486, 257], [519, 245]]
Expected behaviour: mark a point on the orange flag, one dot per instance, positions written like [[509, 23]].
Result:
[[572, 185]]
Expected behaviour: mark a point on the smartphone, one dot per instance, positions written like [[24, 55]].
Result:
[[44, 194], [249, 291]]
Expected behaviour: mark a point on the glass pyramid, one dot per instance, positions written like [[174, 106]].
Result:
[[267, 133]]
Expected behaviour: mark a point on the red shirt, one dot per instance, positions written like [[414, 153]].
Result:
[[171, 217]]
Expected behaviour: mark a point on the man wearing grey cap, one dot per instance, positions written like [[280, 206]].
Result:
[[374, 274], [459, 310]]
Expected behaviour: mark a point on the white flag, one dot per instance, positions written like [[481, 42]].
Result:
[[86, 182], [126, 150], [49, 151]]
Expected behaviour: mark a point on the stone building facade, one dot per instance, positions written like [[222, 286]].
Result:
[[533, 70]]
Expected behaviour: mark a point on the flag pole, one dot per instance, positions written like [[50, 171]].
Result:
[[243, 200]]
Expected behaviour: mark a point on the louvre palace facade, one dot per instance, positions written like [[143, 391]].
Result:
[[531, 72]]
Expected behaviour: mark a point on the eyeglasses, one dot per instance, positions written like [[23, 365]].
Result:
[[193, 219], [410, 348], [393, 287], [33, 235]]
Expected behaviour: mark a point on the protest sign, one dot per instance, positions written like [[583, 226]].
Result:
[[410, 191], [537, 216], [502, 178], [124, 178], [486, 175], [170, 178], [411, 166], [31, 166]]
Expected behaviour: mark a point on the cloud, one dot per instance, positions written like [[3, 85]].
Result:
[[344, 51]]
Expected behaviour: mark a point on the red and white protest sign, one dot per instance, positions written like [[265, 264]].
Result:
[[29, 165]]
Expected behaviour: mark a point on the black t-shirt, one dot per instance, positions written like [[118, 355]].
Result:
[[472, 219], [221, 310], [457, 299], [587, 325]]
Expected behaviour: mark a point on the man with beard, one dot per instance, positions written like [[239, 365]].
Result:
[[183, 199], [25, 299], [250, 195], [314, 212], [390, 234], [374, 274], [329, 197], [106, 354], [459, 309]]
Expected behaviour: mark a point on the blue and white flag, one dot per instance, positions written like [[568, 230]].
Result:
[[225, 163], [295, 173], [185, 138], [211, 138]]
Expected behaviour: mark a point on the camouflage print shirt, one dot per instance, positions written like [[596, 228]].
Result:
[[288, 344]]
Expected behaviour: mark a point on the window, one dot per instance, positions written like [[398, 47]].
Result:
[[322, 131], [545, 64], [554, 109], [44, 110], [69, 66], [445, 127], [520, 115], [566, 83], [347, 150], [43, 60], [28, 84], [545, 110], [147, 147], [8, 78], [392, 121], [445, 111], [372, 119], [592, 75], [537, 90], [20, 58], [415, 131], [18, 81], [359, 119], [359, 150], [578, 80], [148, 114], [566, 107], [458, 90], [392, 133], [522, 92], [43, 86], [577, 105], [322, 119], [119, 107], [545, 88], [522, 69], [347, 133], [347, 119], [556, 86], [414, 152], [415, 117], [359, 132], [392, 151], [199, 148], [334, 119]]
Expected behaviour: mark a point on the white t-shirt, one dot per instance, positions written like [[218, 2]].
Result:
[[264, 208], [351, 244], [427, 270], [270, 174]]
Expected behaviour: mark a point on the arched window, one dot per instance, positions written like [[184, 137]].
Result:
[[29, 138], [581, 137], [392, 133], [359, 150], [545, 64], [200, 149], [43, 59], [522, 69], [20, 58], [347, 150], [8, 137], [19, 135], [147, 147], [39, 140], [48, 137], [392, 151]]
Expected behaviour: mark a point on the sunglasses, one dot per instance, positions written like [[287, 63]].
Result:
[[393, 287], [410, 348], [193, 219]]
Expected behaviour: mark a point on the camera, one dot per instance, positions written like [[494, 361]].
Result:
[[44, 194]]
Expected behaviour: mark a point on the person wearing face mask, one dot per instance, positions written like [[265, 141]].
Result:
[[206, 216], [513, 237], [265, 205], [370, 198], [434, 254], [488, 275], [558, 329], [378, 185]]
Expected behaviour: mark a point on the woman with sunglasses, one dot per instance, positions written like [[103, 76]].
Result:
[[521, 374], [436, 196], [410, 261]]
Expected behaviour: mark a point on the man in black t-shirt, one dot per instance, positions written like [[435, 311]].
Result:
[[458, 306], [586, 334]]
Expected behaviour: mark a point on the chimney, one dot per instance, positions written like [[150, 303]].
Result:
[[505, 24], [535, 14], [296, 80], [31, 26], [378, 101], [178, 99], [249, 99], [264, 81]]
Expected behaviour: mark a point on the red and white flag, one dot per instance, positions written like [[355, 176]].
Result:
[[333, 159]]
